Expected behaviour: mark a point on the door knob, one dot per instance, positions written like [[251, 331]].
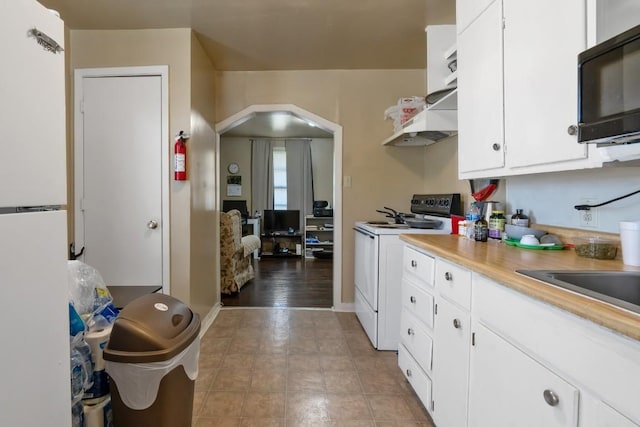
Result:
[[412, 299], [153, 224], [414, 263], [448, 276], [457, 323]]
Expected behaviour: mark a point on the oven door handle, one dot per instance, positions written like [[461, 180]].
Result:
[[371, 236]]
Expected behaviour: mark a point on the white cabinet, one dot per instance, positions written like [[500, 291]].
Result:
[[318, 234], [415, 354], [480, 100], [509, 388], [468, 10], [542, 40], [451, 364], [517, 89], [435, 334], [487, 355], [523, 347], [451, 344]]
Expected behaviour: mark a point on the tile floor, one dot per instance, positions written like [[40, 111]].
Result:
[[287, 367]]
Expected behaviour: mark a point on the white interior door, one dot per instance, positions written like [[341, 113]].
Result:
[[120, 187]]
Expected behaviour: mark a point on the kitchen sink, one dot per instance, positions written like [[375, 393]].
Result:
[[620, 288]]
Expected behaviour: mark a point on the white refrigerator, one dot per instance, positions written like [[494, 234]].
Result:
[[34, 325]]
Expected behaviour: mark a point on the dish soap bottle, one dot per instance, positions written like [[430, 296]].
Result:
[[520, 219]]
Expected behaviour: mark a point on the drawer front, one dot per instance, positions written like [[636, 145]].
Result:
[[420, 382], [416, 340], [418, 265], [417, 302], [454, 283]]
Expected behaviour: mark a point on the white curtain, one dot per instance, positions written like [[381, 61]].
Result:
[[299, 177], [261, 174]]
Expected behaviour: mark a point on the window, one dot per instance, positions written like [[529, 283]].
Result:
[[279, 178]]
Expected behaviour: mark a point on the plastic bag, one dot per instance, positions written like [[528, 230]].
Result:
[[90, 296], [85, 283]]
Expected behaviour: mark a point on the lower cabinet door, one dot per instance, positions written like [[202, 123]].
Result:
[[420, 382], [451, 364], [509, 388]]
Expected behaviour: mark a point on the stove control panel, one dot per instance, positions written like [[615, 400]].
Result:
[[436, 204]]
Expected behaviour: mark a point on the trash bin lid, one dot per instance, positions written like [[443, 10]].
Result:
[[151, 328]]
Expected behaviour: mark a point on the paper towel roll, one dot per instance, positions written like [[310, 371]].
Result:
[[99, 415], [97, 340]]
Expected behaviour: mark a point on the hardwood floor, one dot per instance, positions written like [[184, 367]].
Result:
[[287, 282]]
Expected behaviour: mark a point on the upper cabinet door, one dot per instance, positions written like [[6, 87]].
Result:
[[480, 101], [542, 40], [32, 112], [468, 10]]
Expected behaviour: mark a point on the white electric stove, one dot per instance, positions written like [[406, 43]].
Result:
[[378, 263]]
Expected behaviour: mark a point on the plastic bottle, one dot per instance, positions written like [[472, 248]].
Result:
[[78, 375], [472, 218], [77, 414], [481, 230], [520, 219], [496, 224]]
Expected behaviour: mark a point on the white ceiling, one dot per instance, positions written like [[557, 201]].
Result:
[[258, 35]]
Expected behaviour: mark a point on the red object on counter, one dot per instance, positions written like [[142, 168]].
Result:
[[455, 219]]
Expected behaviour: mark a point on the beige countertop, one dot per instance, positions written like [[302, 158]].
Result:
[[499, 262]]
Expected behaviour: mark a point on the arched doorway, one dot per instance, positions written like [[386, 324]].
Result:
[[334, 128]]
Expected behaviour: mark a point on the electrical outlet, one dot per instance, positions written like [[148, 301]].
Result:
[[588, 218]]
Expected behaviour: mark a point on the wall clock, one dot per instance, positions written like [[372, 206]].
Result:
[[233, 168]]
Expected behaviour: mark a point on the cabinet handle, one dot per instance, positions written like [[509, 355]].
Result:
[[572, 130], [457, 323], [408, 372], [410, 331], [448, 276], [496, 147], [412, 299], [414, 263], [551, 398]]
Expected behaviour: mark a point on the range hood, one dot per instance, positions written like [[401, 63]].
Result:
[[425, 128]]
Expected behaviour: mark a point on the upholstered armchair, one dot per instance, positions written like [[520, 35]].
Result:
[[235, 253]]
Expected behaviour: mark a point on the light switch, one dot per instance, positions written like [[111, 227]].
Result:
[[346, 181]]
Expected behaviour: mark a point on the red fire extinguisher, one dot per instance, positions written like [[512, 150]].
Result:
[[180, 157]]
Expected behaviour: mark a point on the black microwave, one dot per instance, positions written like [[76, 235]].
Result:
[[609, 91]]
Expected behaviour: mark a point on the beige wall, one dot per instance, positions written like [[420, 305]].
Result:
[[238, 150], [355, 99], [188, 199], [204, 226]]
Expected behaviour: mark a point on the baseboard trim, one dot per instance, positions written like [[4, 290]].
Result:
[[346, 307], [207, 321]]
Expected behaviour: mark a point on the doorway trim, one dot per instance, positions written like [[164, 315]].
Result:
[[161, 71], [249, 112]]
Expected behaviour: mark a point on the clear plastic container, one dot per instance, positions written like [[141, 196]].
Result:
[[596, 247]]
